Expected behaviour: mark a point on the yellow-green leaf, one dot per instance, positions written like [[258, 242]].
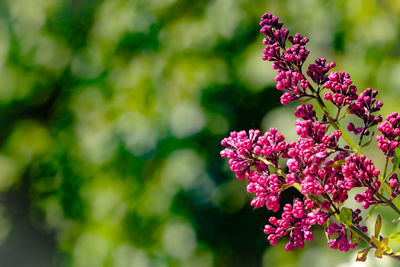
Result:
[[337, 163], [355, 238], [378, 225], [372, 211], [347, 113], [396, 220], [346, 216], [396, 160], [395, 235], [367, 143]]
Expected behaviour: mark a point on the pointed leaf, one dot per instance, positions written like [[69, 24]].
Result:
[[367, 143], [346, 113], [396, 160], [378, 226], [362, 255], [396, 220], [326, 226], [395, 235], [337, 163], [372, 211], [355, 238], [346, 216]]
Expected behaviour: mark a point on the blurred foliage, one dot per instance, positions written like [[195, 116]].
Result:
[[111, 114]]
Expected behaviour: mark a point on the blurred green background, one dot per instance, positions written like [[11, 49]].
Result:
[[111, 115]]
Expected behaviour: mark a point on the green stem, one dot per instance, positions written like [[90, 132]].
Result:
[[395, 202], [337, 114], [337, 126], [298, 187], [367, 239], [393, 206], [387, 201], [385, 170], [271, 165], [352, 227]]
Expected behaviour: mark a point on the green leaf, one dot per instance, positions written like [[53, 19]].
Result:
[[337, 163], [346, 216], [355, 238], [396, 160], [378, 225], [367, 143], [362, 255], [395, 235], [372, 211], [346, 113], [396, 220]]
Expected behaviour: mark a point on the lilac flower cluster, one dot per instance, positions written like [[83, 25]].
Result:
[[316, 163], [390, 130], [363, 108], [317, 72], [359, 171], [290, 81], [343, 92], [297, 220], [254, 156], [288, 61], [344, 239], [394, 185]]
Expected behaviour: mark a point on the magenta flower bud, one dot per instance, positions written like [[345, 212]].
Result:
[[376, 185], [320, 156], [338, 133], [257, 150], [337, 98], [331, 65], [273, 220], [333, 244], [344, 244], [308, 235], [293, 165], [333, 76], [393, 181], [326, 205], [268, 229], [323, 167], [309, 203], [350, 127], [385, 127], [328, 96], [289, 247], [378, 104], [272, 240]]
